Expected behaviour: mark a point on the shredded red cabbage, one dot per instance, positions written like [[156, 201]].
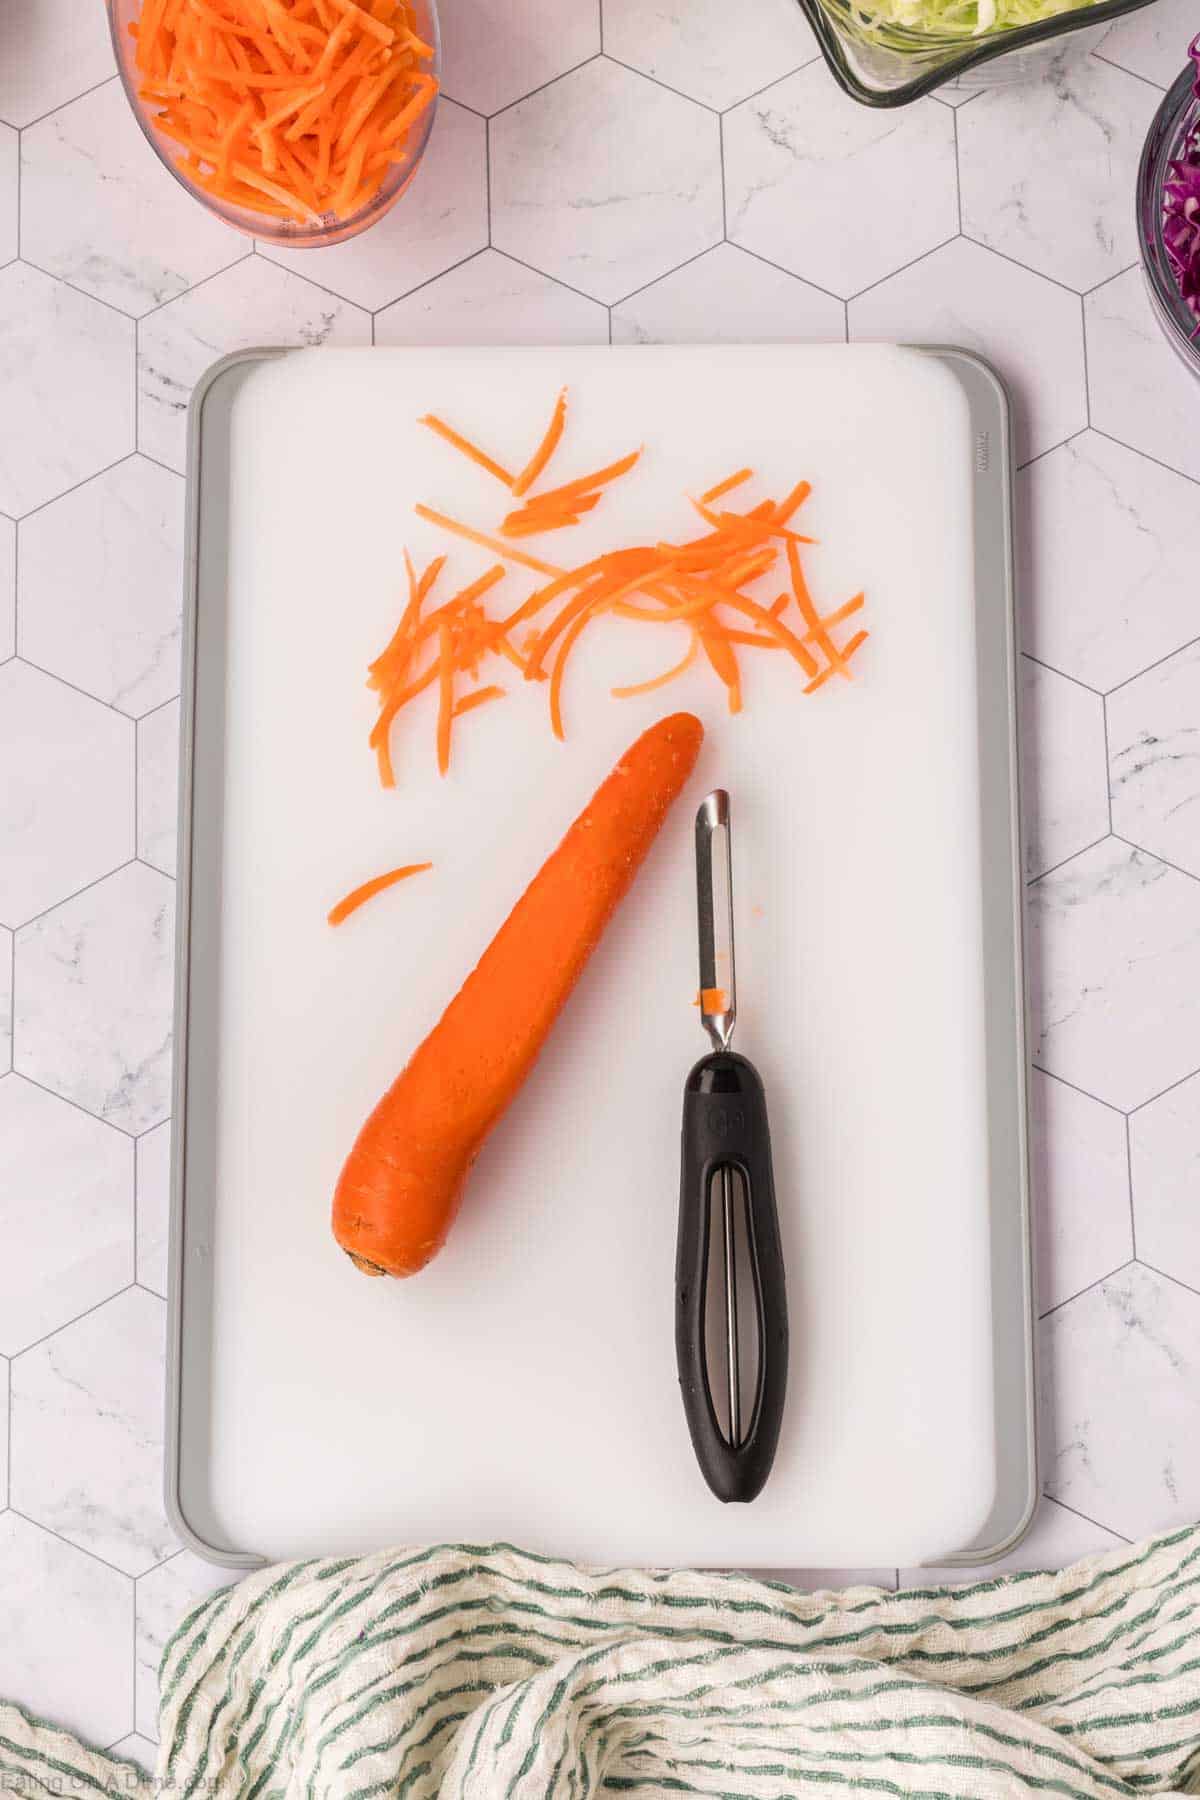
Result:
[[1181, 210]]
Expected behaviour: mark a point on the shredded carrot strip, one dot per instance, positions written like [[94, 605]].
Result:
[[485, 542], [470, 450], [726, 486], [480, 697], [369, 889], [545, 450], [445, 697], [658, 681], [856, 642]]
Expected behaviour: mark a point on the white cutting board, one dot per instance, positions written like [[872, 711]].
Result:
[[524, 1387]]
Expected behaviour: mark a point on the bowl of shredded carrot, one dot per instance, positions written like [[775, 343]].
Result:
[[298, 121]]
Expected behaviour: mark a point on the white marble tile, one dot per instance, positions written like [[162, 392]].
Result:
[[93, 1001], [64, 1649], [87, 1432], [8, 588], [158, 786], [6, 997], [9, 177], [66, 373], [66, 1213], [728, 295], [1048, 169], [66, 800], [1028, 327], [1141, 394], [1064, 780], [438, 220], [50, 51], [1079, 1172], [101, 580], [153, 1206], [1120, 1374], [707, 50], [1164, 1146], [164, 1598], [101, 211], [1153, 41], [137, 1749], [493, 300], [1154, 759], [605, 180], [1114, 944], [836, 192], [1056, 1539], [1100, 604], [494, 52], [253, 303]]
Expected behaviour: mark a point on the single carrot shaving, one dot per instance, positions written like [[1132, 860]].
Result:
[[357, 896], [726, 487], [545, 450], [445, 698], [659, 681], [345, 84], [468, 449], [480, 697], [485, 542], [794, 500], [720, 654]]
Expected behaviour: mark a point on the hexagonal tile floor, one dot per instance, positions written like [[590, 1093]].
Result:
[[633, 171]]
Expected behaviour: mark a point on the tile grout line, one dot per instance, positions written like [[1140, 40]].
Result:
[[1129, 1180], [1086, 1517], [1107, 762], [1087, 374], [1149, 456], [1049, 1075], [83, 1549], [1053, 669], [1163, 1092], [487, 177], [1165, 1275], [1082, 851], [85, 1314], [1141, 850], [1150, 667], [1080, 1292]]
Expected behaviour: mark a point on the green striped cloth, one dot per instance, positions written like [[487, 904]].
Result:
[[484, 1673]]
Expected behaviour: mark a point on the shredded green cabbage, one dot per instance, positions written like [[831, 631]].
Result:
[[959, 18]]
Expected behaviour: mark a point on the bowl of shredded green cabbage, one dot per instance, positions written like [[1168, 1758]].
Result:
[[887, 52]]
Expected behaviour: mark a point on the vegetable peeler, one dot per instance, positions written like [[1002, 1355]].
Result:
[[731, 1327]]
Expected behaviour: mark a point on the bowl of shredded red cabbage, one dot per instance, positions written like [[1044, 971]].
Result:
[[1169, 211]]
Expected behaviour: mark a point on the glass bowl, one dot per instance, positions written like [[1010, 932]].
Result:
[[889, 65], [294, 234], [1177, 119]]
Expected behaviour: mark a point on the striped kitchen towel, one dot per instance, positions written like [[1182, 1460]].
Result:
[[485, 1673]]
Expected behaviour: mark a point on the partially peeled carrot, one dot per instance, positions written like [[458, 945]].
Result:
[[403, 1181]]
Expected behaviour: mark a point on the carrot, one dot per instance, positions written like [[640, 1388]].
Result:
[[469, 450], [402, 1183], [485, 542], [726, 486], [334, 91], [355, 898], [659, 681], [545, 449], [480, 697]]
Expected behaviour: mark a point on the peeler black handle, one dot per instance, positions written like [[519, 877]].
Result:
[[725, 1126]]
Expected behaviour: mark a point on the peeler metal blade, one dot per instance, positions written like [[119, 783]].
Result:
[[714, 912]]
